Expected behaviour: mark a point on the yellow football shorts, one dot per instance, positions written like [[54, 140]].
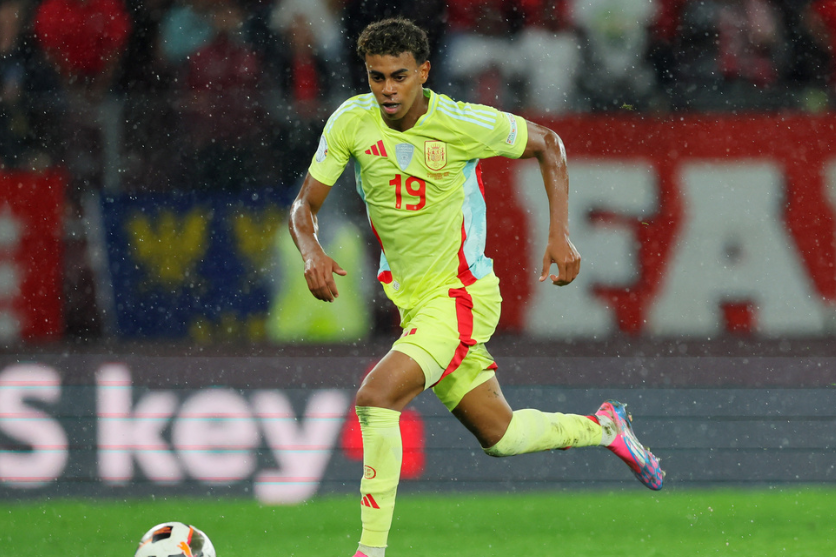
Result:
[[446, 335]]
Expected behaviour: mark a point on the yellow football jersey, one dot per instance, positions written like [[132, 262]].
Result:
[[422, 187]]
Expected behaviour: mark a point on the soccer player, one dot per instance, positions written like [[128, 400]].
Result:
[[416, 161]]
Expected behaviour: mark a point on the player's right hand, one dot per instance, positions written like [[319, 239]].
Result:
[[319, 274]]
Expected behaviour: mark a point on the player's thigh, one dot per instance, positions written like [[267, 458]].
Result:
[[431, 336], [446, 335], [472, 365]]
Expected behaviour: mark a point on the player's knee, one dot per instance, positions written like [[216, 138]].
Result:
[[383, 390], [372, 395], [368, 397], [497, 450]]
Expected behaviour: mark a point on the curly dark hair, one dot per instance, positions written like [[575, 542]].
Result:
[[393, 37]]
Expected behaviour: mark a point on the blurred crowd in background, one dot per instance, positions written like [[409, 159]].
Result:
[[222, 95]]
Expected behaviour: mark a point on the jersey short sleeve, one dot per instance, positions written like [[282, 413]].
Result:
[[508, 138], [333, 151], [484, 131]]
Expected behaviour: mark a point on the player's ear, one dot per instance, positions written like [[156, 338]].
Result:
[[424, 71]]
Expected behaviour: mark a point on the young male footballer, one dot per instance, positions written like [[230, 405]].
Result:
[[416, 156]]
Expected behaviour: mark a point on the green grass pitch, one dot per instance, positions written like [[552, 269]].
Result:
[[792, 521]]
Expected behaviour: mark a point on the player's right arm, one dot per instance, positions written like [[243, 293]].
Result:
[[319, 267]]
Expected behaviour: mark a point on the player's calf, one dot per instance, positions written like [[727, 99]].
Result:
[[533, 431]]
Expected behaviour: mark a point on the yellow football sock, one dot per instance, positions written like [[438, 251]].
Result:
[[382, 455], [532, 431]]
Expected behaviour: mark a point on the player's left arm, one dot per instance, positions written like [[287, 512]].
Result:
[[547, 147], [303, 225]]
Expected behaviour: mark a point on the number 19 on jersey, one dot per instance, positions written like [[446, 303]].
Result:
[[415, 187]]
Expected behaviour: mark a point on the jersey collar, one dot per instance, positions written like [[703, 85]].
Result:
[[430, 109]]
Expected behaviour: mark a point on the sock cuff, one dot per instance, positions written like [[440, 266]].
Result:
[[506, 445], [377, 417], [371, 551], [608, 431]]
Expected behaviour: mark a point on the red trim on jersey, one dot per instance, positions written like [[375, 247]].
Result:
[[464, 317], [376, 235], [382, 149], [465, 275], [479, 178], [383, 276]]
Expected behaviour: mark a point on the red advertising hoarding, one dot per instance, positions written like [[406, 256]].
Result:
[[31, 255], [751, 195]]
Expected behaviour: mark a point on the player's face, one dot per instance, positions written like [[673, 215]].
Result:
[[397, 84]]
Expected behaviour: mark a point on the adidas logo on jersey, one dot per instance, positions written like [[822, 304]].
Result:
[[377, 150]]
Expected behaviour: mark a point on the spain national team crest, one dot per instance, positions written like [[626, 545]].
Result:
[[435, 154]]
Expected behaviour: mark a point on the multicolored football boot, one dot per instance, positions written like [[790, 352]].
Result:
[[625, 445]]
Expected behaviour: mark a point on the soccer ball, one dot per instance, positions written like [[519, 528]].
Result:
[[175, 539]]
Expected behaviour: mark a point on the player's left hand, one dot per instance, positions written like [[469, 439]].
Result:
[[565, 255]]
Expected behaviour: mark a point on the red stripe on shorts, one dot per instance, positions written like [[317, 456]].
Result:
[[464, 318]]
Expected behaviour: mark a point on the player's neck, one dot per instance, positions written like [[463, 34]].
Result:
[[422, 104]]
